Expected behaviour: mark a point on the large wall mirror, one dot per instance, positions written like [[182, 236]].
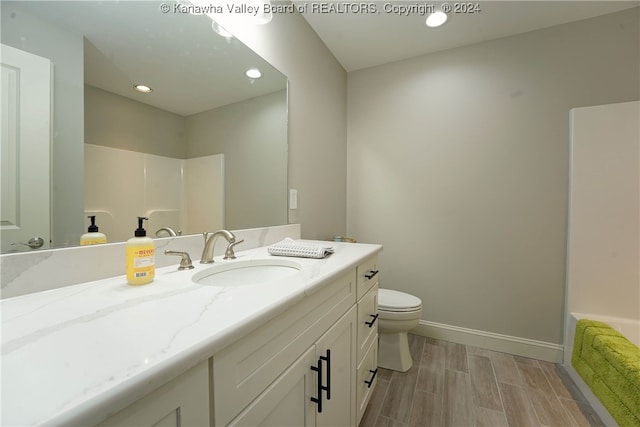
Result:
[[205, 149]]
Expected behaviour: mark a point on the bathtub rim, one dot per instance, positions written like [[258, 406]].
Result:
[[613, 321], [572, 319]]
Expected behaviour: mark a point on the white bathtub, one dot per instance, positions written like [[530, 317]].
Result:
[[630, 328]]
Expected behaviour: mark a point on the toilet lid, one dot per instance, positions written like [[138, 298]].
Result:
[[390, 300]]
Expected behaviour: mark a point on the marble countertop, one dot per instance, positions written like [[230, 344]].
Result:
[[75, 355]]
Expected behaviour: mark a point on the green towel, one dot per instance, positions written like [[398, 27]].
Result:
[[610, 365]]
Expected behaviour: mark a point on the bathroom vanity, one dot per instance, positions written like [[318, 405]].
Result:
[[297, 350]]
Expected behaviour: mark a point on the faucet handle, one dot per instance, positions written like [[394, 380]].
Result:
[[229, 254], [185, 262]]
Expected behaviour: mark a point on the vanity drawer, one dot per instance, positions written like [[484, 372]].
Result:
[[367, 321], [245, 368], [367, 275], [366, 378]]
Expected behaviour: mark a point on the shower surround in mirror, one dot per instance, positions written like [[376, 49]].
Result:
[[144, 164], [184, 194]]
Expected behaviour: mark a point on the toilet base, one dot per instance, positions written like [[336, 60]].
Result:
[[393, 352]]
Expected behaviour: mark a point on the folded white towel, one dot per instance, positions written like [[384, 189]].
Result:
[[290, 247]]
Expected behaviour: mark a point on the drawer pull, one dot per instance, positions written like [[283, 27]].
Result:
[[327, 388], [375, 317], [320, 387], [370, 382], [318, 400], [371, 274]]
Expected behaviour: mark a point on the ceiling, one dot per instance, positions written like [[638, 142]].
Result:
[[190, 67], [366, 39], [129, 42]]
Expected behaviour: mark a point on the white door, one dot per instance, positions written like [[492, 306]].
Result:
[[25, 129], [338, 348]]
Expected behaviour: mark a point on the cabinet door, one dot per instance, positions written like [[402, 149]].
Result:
[[286, 402], [338, 345], [243, 370], [182, 402]]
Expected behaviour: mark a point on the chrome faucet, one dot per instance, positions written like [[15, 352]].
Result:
[[168, 230], [210, 241]]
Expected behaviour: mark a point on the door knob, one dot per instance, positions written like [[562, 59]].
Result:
[[33, 243]]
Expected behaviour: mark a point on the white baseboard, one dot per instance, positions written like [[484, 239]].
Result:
[[491, 341]]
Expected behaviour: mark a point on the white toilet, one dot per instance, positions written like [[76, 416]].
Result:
[[398, 313]]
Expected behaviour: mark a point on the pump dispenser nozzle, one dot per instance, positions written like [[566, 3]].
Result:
[[93, 228], [92, 236], [141, 232]]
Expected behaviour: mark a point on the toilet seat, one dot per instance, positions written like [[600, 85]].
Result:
[[397, 302]]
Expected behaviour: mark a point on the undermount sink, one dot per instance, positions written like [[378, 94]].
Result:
[[249, 272]]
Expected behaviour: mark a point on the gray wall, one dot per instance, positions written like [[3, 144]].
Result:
[[458, 164], [26, 32], [115, 121], [252, 136]]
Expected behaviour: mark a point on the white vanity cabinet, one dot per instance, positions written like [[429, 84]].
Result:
[[182, 402], [314, 364], [271, 375], [367, 353], [218, 356], [307, 395]]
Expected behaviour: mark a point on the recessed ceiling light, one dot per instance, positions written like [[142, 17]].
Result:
[[436, 19], [253, 73], [142, 88]]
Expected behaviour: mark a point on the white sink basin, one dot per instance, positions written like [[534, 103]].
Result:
[[250, 272]]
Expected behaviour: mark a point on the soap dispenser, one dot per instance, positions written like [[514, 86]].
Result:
[[92, 236], [140, 251]]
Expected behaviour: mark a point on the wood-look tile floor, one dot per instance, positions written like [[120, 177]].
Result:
[[462, 386]]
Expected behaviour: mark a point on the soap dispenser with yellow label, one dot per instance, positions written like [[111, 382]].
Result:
[[92, 236], [140, 257]]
